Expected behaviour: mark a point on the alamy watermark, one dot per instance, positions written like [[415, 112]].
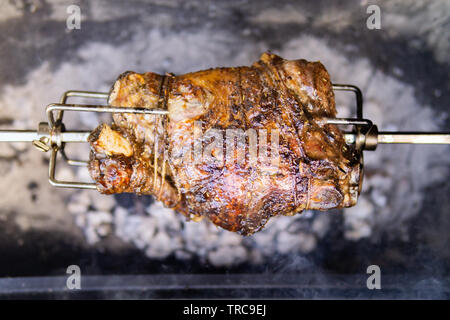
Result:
[[73, 21], [374, 20], [73, 282], [374, 280], [234, 146]]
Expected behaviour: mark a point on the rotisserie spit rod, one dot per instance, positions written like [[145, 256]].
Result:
[[82, 136]]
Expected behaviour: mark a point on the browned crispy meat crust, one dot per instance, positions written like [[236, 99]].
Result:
[[315, 170]]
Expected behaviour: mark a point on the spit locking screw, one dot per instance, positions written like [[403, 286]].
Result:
[[44, 142], [52, 135]]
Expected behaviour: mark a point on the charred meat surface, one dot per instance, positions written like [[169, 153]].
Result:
[[201, 157]]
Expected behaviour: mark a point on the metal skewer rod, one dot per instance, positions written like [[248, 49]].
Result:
[[383, 137], [30, 136], [98, 108], [414, 137], [406, 138], [18, 135]]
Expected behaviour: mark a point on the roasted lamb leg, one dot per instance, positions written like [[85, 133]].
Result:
[[238, 145]]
